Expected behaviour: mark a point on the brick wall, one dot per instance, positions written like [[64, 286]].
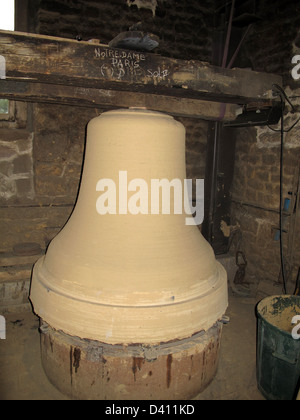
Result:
[[41, 151], [184, 27], [256, 187]]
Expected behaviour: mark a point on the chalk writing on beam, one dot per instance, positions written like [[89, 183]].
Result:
[[119, 64], [158, 74]]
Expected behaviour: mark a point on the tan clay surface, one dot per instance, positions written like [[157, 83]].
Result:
[[129, 278]]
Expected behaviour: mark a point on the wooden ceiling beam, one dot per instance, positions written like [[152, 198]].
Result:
[[37, 62]]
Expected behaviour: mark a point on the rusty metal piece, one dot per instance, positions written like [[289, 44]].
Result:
[[242, 265], [91, 370]]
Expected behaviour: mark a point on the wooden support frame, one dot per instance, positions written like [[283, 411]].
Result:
[[49, 69], [97, 98]]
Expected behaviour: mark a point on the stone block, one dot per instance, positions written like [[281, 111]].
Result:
[[52, 169], [6, 151], [30, 224], [6, 168], [14, 293], [25, 146], [22, 164], [25, 187], [269, 158], [51, 186], [7, 188], [50, 147]]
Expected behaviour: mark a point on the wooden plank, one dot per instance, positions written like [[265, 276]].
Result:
[[15, 273], [45, 59], [91, 97], [8, 260]]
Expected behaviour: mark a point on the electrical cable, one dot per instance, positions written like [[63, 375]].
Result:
[[284, 95], [287, 130], [297, 289], [281, 198], [283, 98]]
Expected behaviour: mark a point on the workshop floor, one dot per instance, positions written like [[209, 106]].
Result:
[[22, 376]]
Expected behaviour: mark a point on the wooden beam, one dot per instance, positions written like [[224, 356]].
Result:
[[93, 98], [45, 59], [8, 260]]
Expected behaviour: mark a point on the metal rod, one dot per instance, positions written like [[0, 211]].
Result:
[[213, 182], [239, 47], [226, 49]]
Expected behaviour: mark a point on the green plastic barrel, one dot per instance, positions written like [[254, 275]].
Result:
[[278, 347]]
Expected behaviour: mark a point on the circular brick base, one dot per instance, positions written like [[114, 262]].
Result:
[[90, 370]]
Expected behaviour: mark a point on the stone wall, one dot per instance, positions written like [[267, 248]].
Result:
[[41, 148], [256, 187], [183, 26]]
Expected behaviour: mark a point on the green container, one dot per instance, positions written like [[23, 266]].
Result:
[[278, 353]]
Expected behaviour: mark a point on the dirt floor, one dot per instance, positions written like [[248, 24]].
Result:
[[22, 376]]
